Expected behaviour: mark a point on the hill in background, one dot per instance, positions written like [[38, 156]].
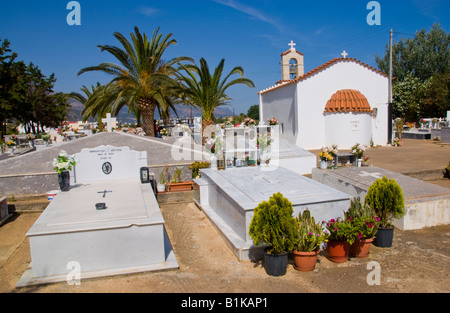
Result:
[[74, 113]]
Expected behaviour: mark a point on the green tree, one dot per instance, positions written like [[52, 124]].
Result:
[[26, 95], [424, 55], [253, 112], [409, 98], [144, 80], [437, 96], [206, 91]]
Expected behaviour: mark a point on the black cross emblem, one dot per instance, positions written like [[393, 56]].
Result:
[[104, 192]]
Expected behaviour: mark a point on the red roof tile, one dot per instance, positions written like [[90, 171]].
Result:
[[347, 100], [318, 69], [288, 51]]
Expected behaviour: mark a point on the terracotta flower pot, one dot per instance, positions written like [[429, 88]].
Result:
[[183, 186], [338, 251], [361, 248], [305, 261]]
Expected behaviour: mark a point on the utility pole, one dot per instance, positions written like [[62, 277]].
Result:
[[390, 92]]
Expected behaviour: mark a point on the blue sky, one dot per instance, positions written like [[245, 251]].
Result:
[[249, 33]]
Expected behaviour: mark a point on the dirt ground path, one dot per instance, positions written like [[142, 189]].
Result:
[[419, 261]]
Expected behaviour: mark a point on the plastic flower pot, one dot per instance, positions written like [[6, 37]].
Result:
[[384, 237], [361, 248], [338, 251], [275, 264], [305, 261]]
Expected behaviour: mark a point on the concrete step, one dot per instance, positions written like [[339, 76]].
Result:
[[27, 203], [426, 175]]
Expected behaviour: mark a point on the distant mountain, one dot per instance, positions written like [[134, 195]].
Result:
[[184, 111]]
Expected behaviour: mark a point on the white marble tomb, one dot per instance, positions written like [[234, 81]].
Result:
[[128, 236], [426, 204], [229, 197]]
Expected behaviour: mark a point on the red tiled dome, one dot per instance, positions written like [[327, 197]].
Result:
[[347, 100]]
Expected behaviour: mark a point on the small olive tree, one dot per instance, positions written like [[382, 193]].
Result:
[[273, 223], [385, 197]]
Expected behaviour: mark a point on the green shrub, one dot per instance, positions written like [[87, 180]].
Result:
[[273, 224], [385, 197]]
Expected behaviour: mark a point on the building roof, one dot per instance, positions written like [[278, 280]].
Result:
[[318, 69], [289, 51], [347, 100]]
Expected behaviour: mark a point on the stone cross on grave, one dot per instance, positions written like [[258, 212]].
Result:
[[344, 54], [110, 122], [292, 44], [104, 192], [366, 174]]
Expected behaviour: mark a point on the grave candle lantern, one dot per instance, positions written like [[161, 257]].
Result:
[[145, 175]]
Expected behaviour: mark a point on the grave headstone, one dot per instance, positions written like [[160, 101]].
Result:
[[111, 122], [108, 162], [4, 214]]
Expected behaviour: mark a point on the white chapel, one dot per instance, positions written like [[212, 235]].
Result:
[[342, 102]]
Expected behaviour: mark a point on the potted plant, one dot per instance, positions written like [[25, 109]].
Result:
[[161, 186], [176, 184], [365, 160], [308, 246], [447, 171], [274, 225], [366, 224], [11, 144], [196, 166], [62, 165], [341, 234], [385, 197], [46, 138]]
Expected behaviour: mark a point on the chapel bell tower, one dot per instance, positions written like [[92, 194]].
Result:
[[292, 64]]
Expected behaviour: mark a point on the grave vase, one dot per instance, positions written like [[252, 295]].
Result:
[[64, 180], [323, 165], [359, 162]]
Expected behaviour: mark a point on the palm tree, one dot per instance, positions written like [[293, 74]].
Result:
[[206, 91], [86, 99], [143, 80]]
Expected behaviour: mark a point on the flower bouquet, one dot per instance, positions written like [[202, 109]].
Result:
[[272, 121], [63, 162], [359, 150], [249, 121]]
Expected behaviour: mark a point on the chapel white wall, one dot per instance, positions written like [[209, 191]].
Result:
[[281, 103]]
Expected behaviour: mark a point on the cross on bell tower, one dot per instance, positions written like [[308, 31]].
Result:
[[292, 63]]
